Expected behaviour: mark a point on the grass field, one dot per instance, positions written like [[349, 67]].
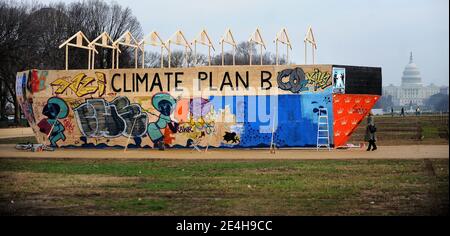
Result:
[[223, 187]]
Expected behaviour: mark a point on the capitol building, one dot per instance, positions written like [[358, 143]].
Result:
[[412, 92]]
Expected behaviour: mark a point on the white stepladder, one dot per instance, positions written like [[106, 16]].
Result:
[[323, 134]]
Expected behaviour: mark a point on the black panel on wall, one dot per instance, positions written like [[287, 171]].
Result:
[[362, 80]]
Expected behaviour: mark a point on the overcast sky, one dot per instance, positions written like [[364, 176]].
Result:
[[353, 32]]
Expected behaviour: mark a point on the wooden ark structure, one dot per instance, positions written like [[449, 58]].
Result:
[[208, 106]]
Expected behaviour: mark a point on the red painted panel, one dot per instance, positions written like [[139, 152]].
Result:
[[348, 111]]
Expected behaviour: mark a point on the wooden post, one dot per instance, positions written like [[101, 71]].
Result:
[[195, 53], [222, 55], [276, 52], [186, 57], [272, 145], [67, 57], [305, 52], [287, 55], [169, 54], [113, 58], [234, 55], [261, 54], [162, 58], [209, 55], [135, 58], [93, 60], [117, 57], [250, 53], [89, 59], [143, 57]]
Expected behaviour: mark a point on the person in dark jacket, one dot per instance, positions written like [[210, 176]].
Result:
[[370, 132]]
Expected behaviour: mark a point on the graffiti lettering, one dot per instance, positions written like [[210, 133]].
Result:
[[68, 125], [81, 84], [99, 118], [318, 79], [296, 83]]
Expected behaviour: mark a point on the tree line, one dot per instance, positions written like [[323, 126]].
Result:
[[30, 34]]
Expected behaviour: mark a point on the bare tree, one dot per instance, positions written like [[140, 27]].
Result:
[[242, 56], [31, 33]]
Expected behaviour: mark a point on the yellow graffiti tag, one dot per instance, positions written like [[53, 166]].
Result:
[[318, 79], [81, 84]]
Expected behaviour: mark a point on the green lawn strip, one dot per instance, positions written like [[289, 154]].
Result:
[[246, 187]]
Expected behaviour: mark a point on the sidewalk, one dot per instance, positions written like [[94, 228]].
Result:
[[16, 132]]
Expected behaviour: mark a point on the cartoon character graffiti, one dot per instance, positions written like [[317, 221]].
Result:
[[165, 104], [55, 109]]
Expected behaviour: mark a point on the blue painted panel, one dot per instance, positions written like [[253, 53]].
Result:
[[295, 123]]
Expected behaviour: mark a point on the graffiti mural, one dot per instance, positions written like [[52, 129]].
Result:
[[68, 125], [349, 110], [318, 79], [100, 118], [296, 80], [235, 107], [55, 109], [37, 80], [231, 137], [164, 103], [25, 102], [81, 84]]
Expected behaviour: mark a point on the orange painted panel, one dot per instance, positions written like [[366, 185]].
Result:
[[348, 111]]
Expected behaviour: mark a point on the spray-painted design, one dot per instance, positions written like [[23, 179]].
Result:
[[36, 83], [318, 79], [299, 81], [231, 137], [296, 120], [118, 108], [99, 118], [55, 109], [68, 125], [165, 105], [296, 82], [349, 110], [25, 102], [81, 84]]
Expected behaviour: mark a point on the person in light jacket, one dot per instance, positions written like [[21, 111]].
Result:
[[370, 133]]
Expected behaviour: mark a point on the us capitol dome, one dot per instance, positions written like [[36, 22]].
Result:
[[412, 92], [411, 74]]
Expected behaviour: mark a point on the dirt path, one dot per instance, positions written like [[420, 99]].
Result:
[[16, 132], [383, 152]]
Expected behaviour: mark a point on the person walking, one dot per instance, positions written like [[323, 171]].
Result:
[[392, 111], [402, 113], [370, 132]]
